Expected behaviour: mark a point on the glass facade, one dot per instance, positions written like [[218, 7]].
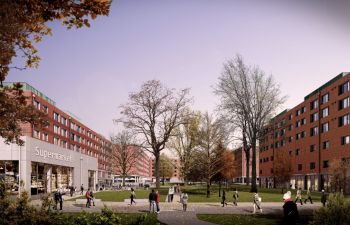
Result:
[[48, 178], [9, 174]]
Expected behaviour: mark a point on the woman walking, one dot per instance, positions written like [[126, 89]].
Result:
[[184, 201], [256, 203], [235, 197], [132, 196], [223, 198]]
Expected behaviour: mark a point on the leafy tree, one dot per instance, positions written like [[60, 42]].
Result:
[[282, 168], [125, 153], [166, 167], [15, 111], [211, 147], [153, 113], [23, 22], [340, 174], [248, 95], [184, 142]]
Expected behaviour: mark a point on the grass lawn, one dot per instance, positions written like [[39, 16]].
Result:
[[198, 194], [227, 219]]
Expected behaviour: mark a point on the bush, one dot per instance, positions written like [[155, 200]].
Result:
[[336, 212]]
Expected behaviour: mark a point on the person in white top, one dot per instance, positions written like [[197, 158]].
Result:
[[171, 194]]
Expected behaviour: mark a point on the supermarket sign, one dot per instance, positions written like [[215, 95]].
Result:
[[52, 155]]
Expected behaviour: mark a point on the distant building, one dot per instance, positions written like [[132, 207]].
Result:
[[240, 166], [176, 173]]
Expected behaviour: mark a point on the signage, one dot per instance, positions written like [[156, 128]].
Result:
[[52, 155]]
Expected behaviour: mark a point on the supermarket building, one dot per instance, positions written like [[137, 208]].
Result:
[[66, 153]]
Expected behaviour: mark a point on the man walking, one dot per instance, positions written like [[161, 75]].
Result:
[[298, 196], [308, 196], [81, 189], [152, 201], [223, 198]]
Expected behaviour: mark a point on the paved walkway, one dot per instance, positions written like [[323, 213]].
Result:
[[172, 214]]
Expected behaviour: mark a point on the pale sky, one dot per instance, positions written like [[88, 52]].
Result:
[[90, 71]]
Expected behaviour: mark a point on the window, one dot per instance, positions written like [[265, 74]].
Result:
[[290, 139], [290, 116], [325, 164], [64, 121], [303, 134], [344, 103], [45, 109], [36, 134], [56, 129], [303, 121], [345, 140], [312, 148], [56, 141], [312, 165], [343, 120], [297, 152], [64, 132], [325, 98], [343, 88], [313, 131], [45, 137], [303, 109], [300, 167], [325, 127], [36, 104], [56, 116], [298, 123], [314, 104], [325, 144], [325, 112], [314, 117], [290, 127], [298, 112]]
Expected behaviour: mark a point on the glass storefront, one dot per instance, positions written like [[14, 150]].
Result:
[[48, 178], [9, 174]]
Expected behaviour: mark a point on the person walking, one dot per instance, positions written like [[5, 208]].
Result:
[[157, 201], [82, 189], [184, 200], [298, 196], [308, 196], [132, 196], [171, 194], [88, 198], [71, 191], [235, 197], [256, 203], [223, 198], [290, 210], [152, 197], [56, 197], [92, 199], [323, 198]]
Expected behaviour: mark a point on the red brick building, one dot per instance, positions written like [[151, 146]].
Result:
[[312, 134], [67, 131], [241, 166]]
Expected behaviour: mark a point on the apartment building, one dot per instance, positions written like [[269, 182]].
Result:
[[240, 173], [312, 134], [140, 172], [65, 153]]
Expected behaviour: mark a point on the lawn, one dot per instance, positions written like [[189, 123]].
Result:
[[228, 219], [198, 194]]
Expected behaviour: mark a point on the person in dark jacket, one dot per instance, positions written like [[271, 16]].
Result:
[[290, 210], [324, 198], [152, 201], [223, 198], [56, 197]]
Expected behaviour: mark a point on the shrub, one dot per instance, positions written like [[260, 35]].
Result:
[[336, 211]]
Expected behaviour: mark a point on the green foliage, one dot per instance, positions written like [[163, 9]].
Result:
[[336, 211]]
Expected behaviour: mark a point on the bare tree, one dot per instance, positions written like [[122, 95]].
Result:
[[251, 96], [125, 153], [211, 146], [153, 113], [185, 141]]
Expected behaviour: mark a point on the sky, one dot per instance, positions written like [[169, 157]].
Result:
[[91, 71]]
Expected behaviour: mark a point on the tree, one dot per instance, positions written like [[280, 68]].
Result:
[[124, 153], [211, 147], [153, 113], [340, 174], [282, 168], [166, 167], [249, 95], [229, 167], [15, 111], [23, 22], [184, 142]]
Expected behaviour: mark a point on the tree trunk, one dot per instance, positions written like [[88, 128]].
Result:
[[156, 169], [246, 150], [123, 181], [219, 188], [254, 187], [208, 189]]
